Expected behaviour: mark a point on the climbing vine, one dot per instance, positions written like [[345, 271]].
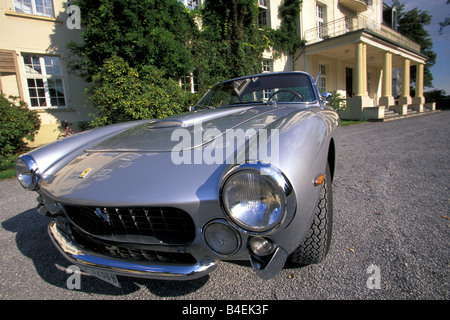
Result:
[[231, 43], [286, 38]]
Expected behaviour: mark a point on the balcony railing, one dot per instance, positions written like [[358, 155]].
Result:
[[349, 24]]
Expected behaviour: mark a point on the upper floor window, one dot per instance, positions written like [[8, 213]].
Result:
[[44, 81], [320, 21], [35, 7], [263, 13]]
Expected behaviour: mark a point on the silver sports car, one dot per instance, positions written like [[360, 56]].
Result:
[[245, 175]]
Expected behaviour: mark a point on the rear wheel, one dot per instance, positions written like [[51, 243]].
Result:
[[317, 241]]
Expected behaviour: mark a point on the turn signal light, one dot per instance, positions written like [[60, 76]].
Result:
[[319, 180]]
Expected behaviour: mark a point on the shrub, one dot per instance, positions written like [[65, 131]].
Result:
[[16, 123], [122, 93], [338, 103]]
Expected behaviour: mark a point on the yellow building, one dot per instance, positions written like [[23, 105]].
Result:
[[351, 42], [354, 46], [33, 63]]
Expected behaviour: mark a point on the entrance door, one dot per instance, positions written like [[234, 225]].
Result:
[[349, 82]]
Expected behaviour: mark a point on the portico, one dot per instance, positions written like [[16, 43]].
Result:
[[358, 56]]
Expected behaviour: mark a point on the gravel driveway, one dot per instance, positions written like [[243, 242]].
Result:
[[391, 203]]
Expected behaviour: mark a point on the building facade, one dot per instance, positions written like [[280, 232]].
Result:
[[33, 63], [355, 46], [352, 43]]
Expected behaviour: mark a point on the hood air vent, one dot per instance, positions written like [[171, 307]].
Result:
[[159, 124]]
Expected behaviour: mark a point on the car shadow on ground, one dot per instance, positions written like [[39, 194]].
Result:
[[33, 241]]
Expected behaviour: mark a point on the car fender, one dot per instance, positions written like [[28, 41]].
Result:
[[304, 140]]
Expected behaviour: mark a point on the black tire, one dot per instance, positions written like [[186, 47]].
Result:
[[317, 242]]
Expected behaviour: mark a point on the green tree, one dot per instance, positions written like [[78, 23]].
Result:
[[444, 23], [150, 32], [411, 25], [440, 97]]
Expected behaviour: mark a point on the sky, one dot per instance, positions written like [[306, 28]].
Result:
[[439, 9]]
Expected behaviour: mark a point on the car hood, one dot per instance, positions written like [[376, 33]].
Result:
[[135, 166], [201, 127]]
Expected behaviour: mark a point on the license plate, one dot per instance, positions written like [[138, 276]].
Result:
[[106, 276]]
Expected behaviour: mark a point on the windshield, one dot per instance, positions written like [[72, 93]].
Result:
[[288, 87]]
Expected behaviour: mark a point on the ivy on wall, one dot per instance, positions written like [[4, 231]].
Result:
[[286, 38]]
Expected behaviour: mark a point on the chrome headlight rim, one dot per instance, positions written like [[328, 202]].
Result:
[[277, 178], [32, 171]]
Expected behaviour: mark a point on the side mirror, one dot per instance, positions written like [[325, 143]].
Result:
[[326, 97], [191, 108]]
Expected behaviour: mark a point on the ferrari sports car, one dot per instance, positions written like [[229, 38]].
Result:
[[245, 175]]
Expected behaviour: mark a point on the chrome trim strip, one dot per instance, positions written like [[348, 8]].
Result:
[[65, 243]]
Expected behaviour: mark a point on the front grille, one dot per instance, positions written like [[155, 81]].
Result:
[[128, 253], [161, 224]]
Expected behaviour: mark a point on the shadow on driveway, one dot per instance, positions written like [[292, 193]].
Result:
[[33, 241]]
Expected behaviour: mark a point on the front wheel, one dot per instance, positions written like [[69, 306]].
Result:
[[317, 241]]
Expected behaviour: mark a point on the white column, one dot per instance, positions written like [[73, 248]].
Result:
[[419, 100], [361, 99], [405, 98], [387, 99]]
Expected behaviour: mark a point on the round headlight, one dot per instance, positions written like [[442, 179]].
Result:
[[26, 169], [254, 201]]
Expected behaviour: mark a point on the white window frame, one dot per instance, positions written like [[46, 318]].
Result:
[[321, 20], [191, 4], [49, 81], [266, 68], [263, 13], [322, 82], [31, 7], [190, 82]]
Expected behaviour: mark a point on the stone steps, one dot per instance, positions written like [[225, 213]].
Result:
[[390, 115]]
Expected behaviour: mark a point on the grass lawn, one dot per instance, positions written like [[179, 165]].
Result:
[[8, 173], [349, 122]]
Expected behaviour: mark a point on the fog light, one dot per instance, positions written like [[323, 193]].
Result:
[[221, 238], [261, 246]]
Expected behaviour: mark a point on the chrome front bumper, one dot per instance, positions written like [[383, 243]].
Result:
[[68, 247]]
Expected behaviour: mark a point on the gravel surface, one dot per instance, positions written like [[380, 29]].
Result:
[[391, 203]]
